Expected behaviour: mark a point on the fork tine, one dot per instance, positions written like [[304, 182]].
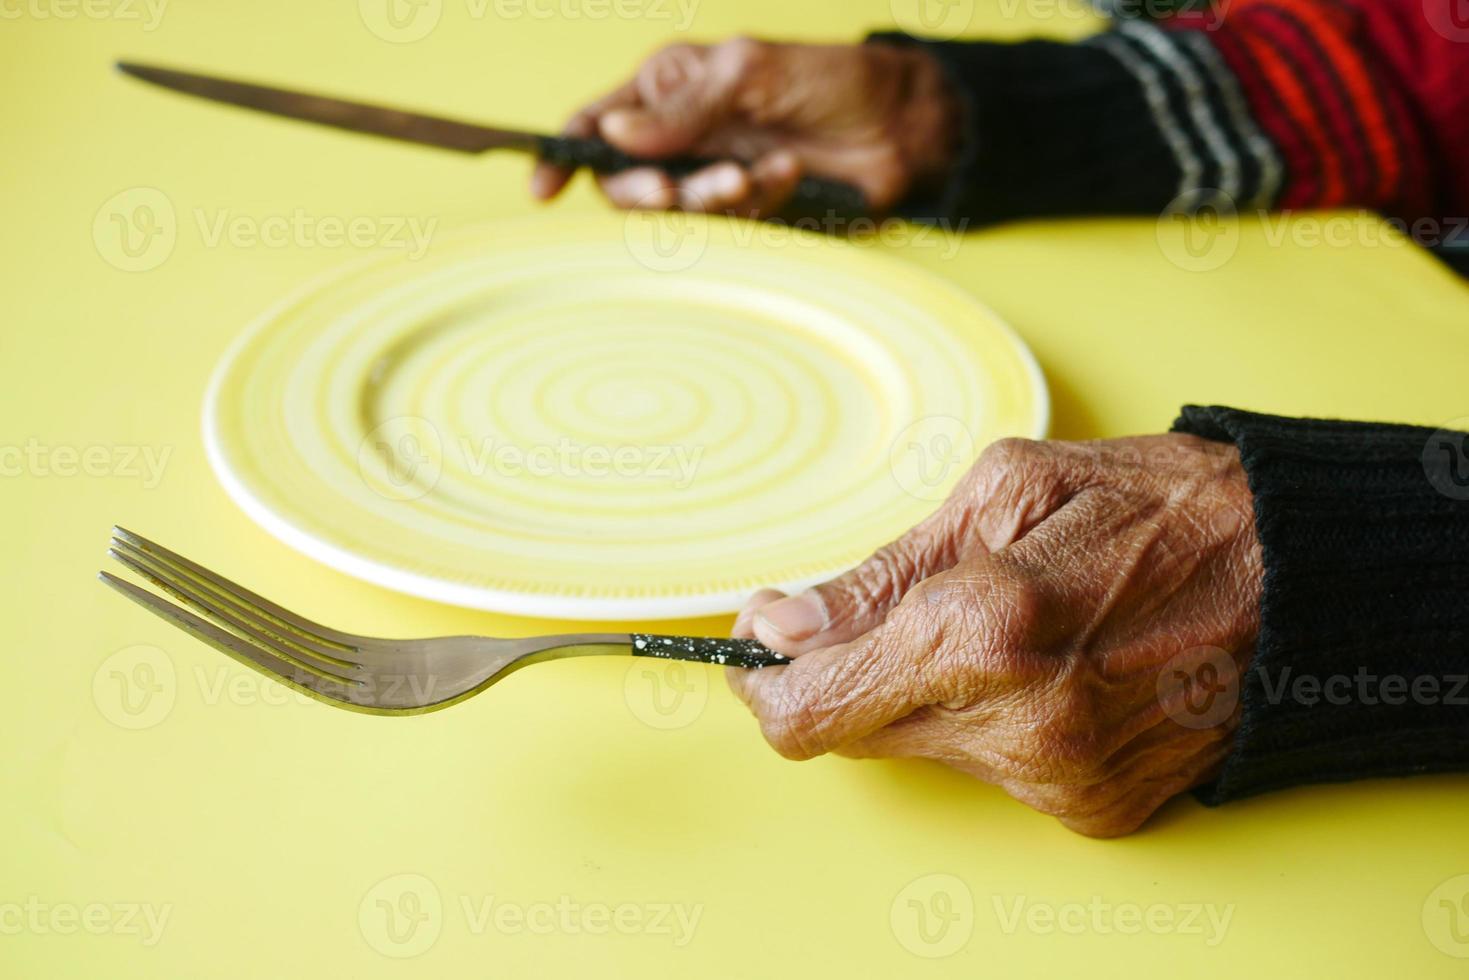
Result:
[[259, 633], [261, 605], [335, 691]]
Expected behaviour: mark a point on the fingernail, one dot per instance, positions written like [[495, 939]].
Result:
[[727, 180], [797, 618], [718, 186], [743, 622], [641, 188]]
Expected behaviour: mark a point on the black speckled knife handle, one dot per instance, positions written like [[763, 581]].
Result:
[[816, 198], [707, 650]]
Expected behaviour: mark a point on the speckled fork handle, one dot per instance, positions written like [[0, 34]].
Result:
[[707, 650]]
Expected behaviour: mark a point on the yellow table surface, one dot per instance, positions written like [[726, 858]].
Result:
[[561, 824]]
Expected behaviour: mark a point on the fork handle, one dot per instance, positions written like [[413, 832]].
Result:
[[707, 650]]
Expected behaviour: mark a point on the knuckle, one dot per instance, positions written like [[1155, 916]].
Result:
[[1006, 455], [790, 728], [1014, 484], [743, 52], [676, 51], [1012, 607]]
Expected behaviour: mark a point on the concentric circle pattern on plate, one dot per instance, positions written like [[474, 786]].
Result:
[[546, 418]]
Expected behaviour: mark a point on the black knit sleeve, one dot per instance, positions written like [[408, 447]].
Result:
[[1362, 663], [1135, 120], [1046, 129]]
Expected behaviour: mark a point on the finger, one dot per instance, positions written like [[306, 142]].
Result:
[[717, 188], [546, 180], [640, 189], [918, 735], [684, 91], [744, 623], [830, 697], [850, 605], [773, 177]]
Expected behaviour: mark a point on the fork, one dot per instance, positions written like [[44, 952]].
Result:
[[373, 674]]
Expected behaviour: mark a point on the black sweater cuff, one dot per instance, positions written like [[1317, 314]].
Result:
[[1048, 128], [1361, 663]]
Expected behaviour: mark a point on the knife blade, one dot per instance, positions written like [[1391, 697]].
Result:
[[814, 196]]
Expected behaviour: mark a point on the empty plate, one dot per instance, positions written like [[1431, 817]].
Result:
[[591, 417]]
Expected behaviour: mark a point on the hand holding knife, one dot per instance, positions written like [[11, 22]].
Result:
[[814, 197]]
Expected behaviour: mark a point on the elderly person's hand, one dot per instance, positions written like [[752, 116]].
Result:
[[873, 115], [1070, 625]]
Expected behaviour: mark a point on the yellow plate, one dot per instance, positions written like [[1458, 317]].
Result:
[[591, 417]]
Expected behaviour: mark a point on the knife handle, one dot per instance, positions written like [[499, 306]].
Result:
[[750, 654], [815, 198]]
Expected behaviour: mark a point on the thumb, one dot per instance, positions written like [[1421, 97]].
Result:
[[841, 610]]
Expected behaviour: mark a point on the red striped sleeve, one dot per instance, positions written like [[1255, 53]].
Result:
[[1327, 80]]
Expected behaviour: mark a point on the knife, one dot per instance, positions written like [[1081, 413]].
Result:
[[814, 197]]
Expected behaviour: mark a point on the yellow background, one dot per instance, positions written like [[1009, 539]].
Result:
[[267, 827]]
